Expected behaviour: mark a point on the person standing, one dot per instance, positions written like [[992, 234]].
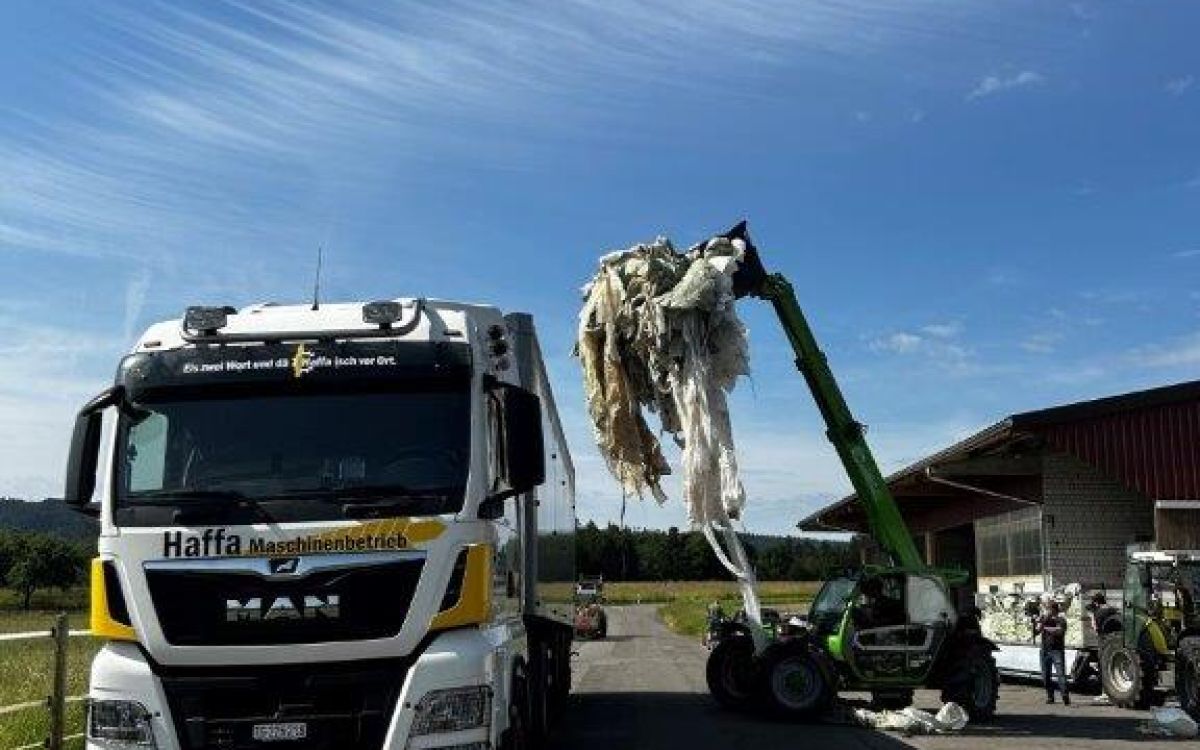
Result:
[[1052, 627]]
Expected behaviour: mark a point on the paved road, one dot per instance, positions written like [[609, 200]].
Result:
[[644, 687]]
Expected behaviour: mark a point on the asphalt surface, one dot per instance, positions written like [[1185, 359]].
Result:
[[643, 687]]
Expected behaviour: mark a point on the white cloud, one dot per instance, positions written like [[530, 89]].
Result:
[[994, 84], [943, 330], [1186, 254], [900, 342], [1179, 86], [1182, 352], [1044, 342]]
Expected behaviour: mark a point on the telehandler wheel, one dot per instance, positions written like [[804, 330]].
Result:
[[730, 672], [891, 700], [794, 683], [1128, 675], [1187, 675], [975, 684]]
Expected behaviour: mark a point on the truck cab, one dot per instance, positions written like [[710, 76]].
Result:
[[320, 528]]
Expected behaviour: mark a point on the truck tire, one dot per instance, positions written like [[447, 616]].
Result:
[[730, 673], [974, 684], [1187, 675], [1128, 675], [891, 700], [794, 683], [516, 736]]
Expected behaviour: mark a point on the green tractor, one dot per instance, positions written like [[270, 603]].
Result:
[[1157, 628], [885, 630]]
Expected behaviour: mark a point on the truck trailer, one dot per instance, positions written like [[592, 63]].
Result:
[[328, 526]]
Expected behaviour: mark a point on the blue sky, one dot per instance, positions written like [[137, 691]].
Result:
[[984, 208]]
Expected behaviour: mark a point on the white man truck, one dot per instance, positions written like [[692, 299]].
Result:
[[345, 526]]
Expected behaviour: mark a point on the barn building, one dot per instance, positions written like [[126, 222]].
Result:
[[1048, 497]]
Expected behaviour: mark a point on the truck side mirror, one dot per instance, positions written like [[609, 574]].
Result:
[[523, 463], [85, 451]]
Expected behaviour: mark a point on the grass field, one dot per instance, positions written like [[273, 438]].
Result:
[[685, 603], [26, 667]]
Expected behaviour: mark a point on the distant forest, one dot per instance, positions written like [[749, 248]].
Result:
[[616, 553], [673, 555]]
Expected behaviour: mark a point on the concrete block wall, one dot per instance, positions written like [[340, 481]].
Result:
[[1088, 518]]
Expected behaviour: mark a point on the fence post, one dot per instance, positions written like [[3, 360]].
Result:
[[58, 696]]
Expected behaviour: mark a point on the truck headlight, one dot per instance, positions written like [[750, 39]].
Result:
[[120, 723], [453, 710]]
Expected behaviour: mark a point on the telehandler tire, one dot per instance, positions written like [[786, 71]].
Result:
[[975, 684], [794, 683], [730, 672], [1129, 676]]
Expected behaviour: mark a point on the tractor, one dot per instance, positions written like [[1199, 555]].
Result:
[[1157, 627], [886, 630]]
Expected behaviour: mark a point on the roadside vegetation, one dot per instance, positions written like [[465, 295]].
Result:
[[686, 613], [26, 666]]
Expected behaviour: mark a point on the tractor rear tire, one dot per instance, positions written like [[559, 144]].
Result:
[[1129, 676], [794, 683], [1187, 675], [975, 684], [730, 673], [891, 700]]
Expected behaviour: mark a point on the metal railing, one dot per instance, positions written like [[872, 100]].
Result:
[[56, 702]]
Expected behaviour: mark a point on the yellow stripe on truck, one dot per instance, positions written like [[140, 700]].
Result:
[[102, 623], [474, 605]]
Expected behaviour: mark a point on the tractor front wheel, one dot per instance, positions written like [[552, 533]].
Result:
[[1128, 675]]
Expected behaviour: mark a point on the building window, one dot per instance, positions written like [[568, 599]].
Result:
[[1010, 544]]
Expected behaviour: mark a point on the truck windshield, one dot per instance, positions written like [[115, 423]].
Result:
[[833, 597], [296, 456]]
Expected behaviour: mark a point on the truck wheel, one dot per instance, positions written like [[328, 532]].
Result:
[[1128, 675], [1187, 675], [516, 737], [794, 682], [891, 700], [975, 685], [730, 673]]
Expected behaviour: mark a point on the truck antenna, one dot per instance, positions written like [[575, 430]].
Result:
[[317, 280]]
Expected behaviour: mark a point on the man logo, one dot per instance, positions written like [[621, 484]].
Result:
[[284, 566], [307, 607]]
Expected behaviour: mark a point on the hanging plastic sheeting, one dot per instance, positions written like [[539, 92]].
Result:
[[658, 332]]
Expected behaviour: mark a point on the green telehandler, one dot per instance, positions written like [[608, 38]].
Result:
[[884, 629]]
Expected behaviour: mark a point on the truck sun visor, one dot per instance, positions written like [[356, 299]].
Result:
[[293, 365]]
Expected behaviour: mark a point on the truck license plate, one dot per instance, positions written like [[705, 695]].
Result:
[[284, 732]]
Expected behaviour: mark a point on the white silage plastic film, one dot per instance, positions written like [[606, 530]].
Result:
[[659, 333]]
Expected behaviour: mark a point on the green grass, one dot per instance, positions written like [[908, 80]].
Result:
[[685, 603], [27, 666]]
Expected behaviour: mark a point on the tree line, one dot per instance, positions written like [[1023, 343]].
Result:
[[31, 561], [624, 554]]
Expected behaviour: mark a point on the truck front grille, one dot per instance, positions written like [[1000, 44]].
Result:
[[224, 606], [347, 706]]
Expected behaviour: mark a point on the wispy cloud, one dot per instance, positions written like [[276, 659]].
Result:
[[938, 343], [994, 84], [1186, 254], [1179, 86], [135, 301], [1182, 352], [1042, 342]]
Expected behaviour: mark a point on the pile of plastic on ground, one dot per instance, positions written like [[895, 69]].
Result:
[[659, 334]]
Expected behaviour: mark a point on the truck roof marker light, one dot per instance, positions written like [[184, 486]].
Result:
[[382, 313], [206, 320]]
